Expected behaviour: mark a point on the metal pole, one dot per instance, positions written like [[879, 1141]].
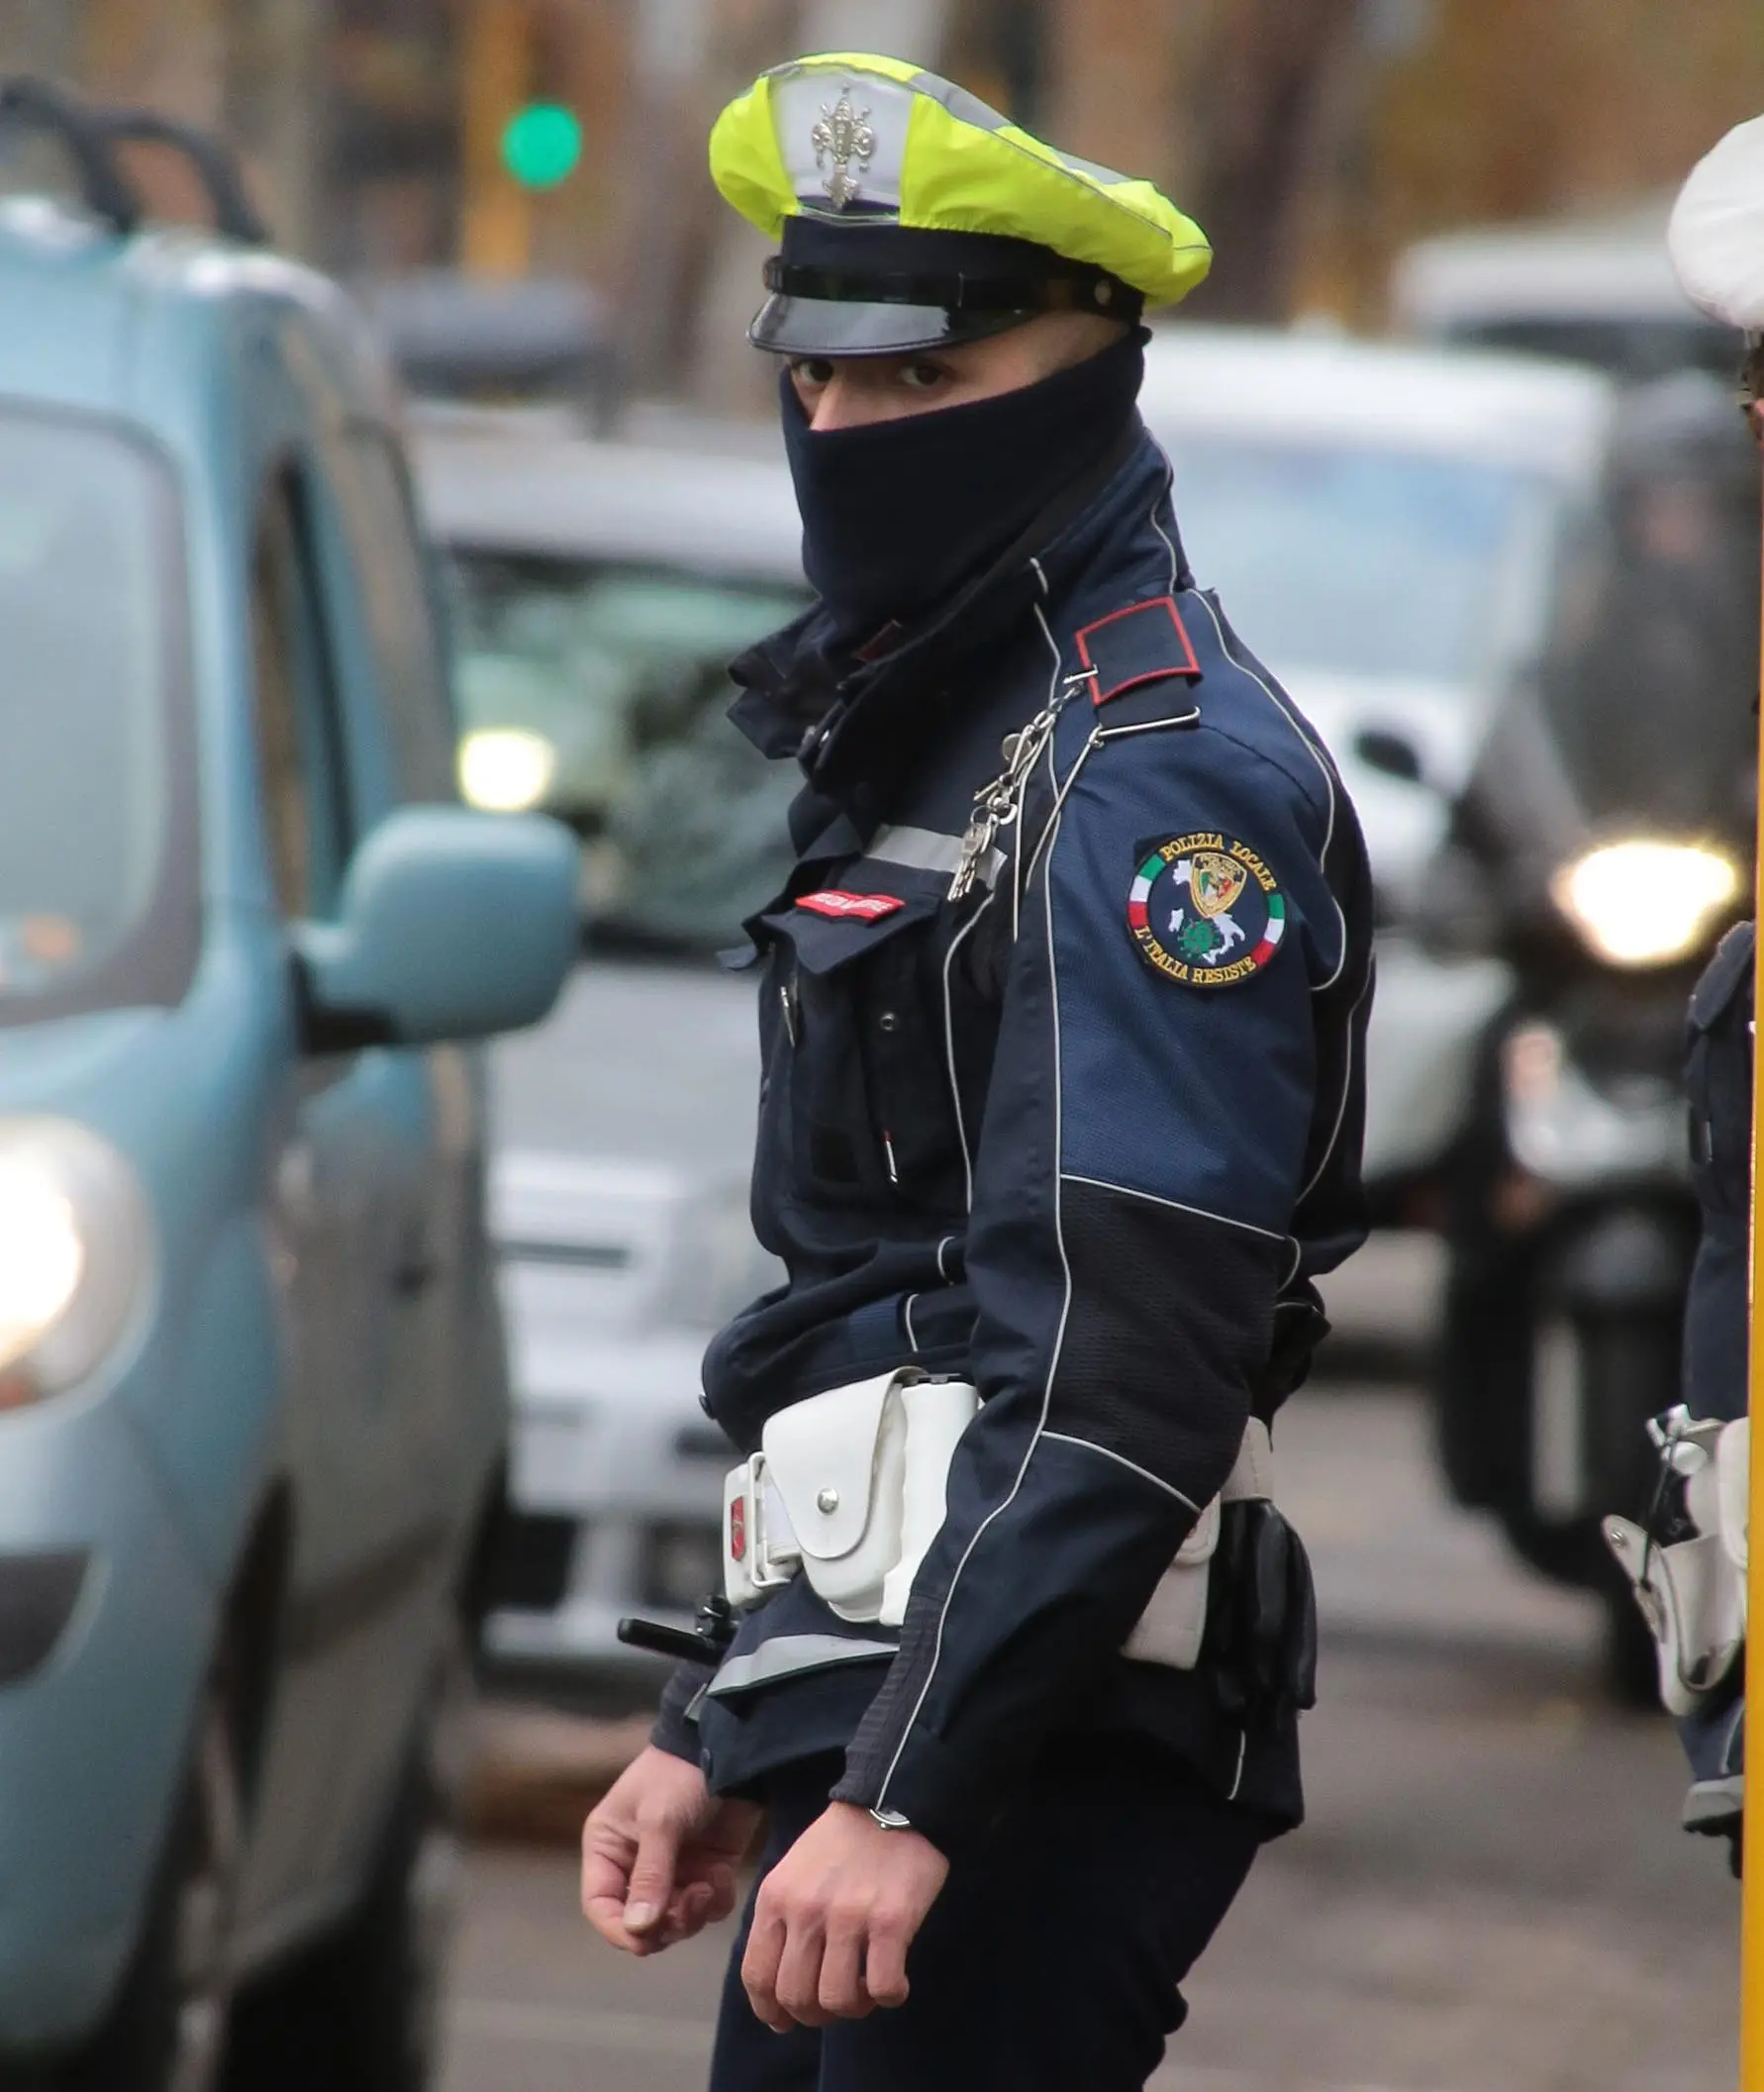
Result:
[[276, 59], [497, 74]]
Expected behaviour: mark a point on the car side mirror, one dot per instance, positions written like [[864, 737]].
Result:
[[452, 924], [1395, 755]]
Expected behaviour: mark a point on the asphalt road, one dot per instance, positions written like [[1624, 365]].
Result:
[[1490, 1894]]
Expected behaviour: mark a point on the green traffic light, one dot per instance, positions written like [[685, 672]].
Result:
[[542, 145]]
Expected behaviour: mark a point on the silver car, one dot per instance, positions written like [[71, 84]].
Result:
[[601, 590]]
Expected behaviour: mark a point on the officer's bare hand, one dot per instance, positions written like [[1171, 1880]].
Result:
[[659, 1855], [835, 1919]]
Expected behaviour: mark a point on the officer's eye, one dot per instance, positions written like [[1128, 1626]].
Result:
[[922, 376], [814, 372]]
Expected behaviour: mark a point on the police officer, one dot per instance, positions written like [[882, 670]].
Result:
[[1061, 1014], [1686, 1560]]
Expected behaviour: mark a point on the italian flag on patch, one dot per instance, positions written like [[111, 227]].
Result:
[[1205, 910]]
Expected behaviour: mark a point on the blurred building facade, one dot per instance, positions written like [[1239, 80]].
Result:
[[1313, 142]]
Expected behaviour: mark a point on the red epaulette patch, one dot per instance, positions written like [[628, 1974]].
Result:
[[866, 907], [1138, 644]]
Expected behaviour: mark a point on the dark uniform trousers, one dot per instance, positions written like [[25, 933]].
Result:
[[1052, 1961]]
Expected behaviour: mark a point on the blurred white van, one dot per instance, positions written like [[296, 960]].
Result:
[[1594, 290]]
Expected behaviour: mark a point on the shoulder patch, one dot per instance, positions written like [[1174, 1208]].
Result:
[[1138, 644], [1205, 910]]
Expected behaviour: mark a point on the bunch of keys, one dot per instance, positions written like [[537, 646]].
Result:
[[997, 804]]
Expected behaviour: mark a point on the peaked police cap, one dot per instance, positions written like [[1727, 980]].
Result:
[[909, 214]]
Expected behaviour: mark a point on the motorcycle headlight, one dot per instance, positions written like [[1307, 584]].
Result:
[[1645, 903], [506, 769], [75, 1254]]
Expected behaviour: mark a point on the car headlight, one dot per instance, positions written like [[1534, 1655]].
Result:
[[506, 769], [75, 1255], [1645, 903]]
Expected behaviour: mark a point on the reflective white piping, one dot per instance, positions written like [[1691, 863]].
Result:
[[1285, 711], [1020, 874], [1163, 496], [1187, 718], [941, 1247], [1224, 1219], [907, 1316], [1065, 1438], [1059, 1340], [961, 1130], [1346, 1091], [1025, 873]]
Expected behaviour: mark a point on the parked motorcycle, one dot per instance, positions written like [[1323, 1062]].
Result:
[[1602, 846]]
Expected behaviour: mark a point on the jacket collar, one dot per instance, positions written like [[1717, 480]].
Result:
[[850, 721]]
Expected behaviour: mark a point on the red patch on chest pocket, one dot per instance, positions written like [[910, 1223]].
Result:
[[866, 907]]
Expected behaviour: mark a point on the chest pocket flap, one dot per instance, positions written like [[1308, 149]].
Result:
[[826, 940], [860, 1059]]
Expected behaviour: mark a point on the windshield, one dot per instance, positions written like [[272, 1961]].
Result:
[[1651, 704], [615, 681], [1358, 562], [98, 882], [1634, 348]]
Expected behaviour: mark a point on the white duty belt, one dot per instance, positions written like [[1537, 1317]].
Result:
[[849, 1489]]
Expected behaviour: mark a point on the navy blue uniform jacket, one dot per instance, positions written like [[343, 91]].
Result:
[[1719, 1084], [1084, 1135]]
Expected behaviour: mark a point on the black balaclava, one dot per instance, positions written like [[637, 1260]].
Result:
[[898, 515]]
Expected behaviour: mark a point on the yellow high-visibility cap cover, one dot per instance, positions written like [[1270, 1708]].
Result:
[[859, 144]]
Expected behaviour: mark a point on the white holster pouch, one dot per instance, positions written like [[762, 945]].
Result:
[[850, 1488], [1691, 1592], [1171, 1628]]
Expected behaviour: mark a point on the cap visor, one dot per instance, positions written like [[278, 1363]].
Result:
[[828, 327]]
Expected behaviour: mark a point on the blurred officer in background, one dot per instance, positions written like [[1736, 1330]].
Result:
[[1063, 1014], [1716, 1340], [1687, 1559]]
